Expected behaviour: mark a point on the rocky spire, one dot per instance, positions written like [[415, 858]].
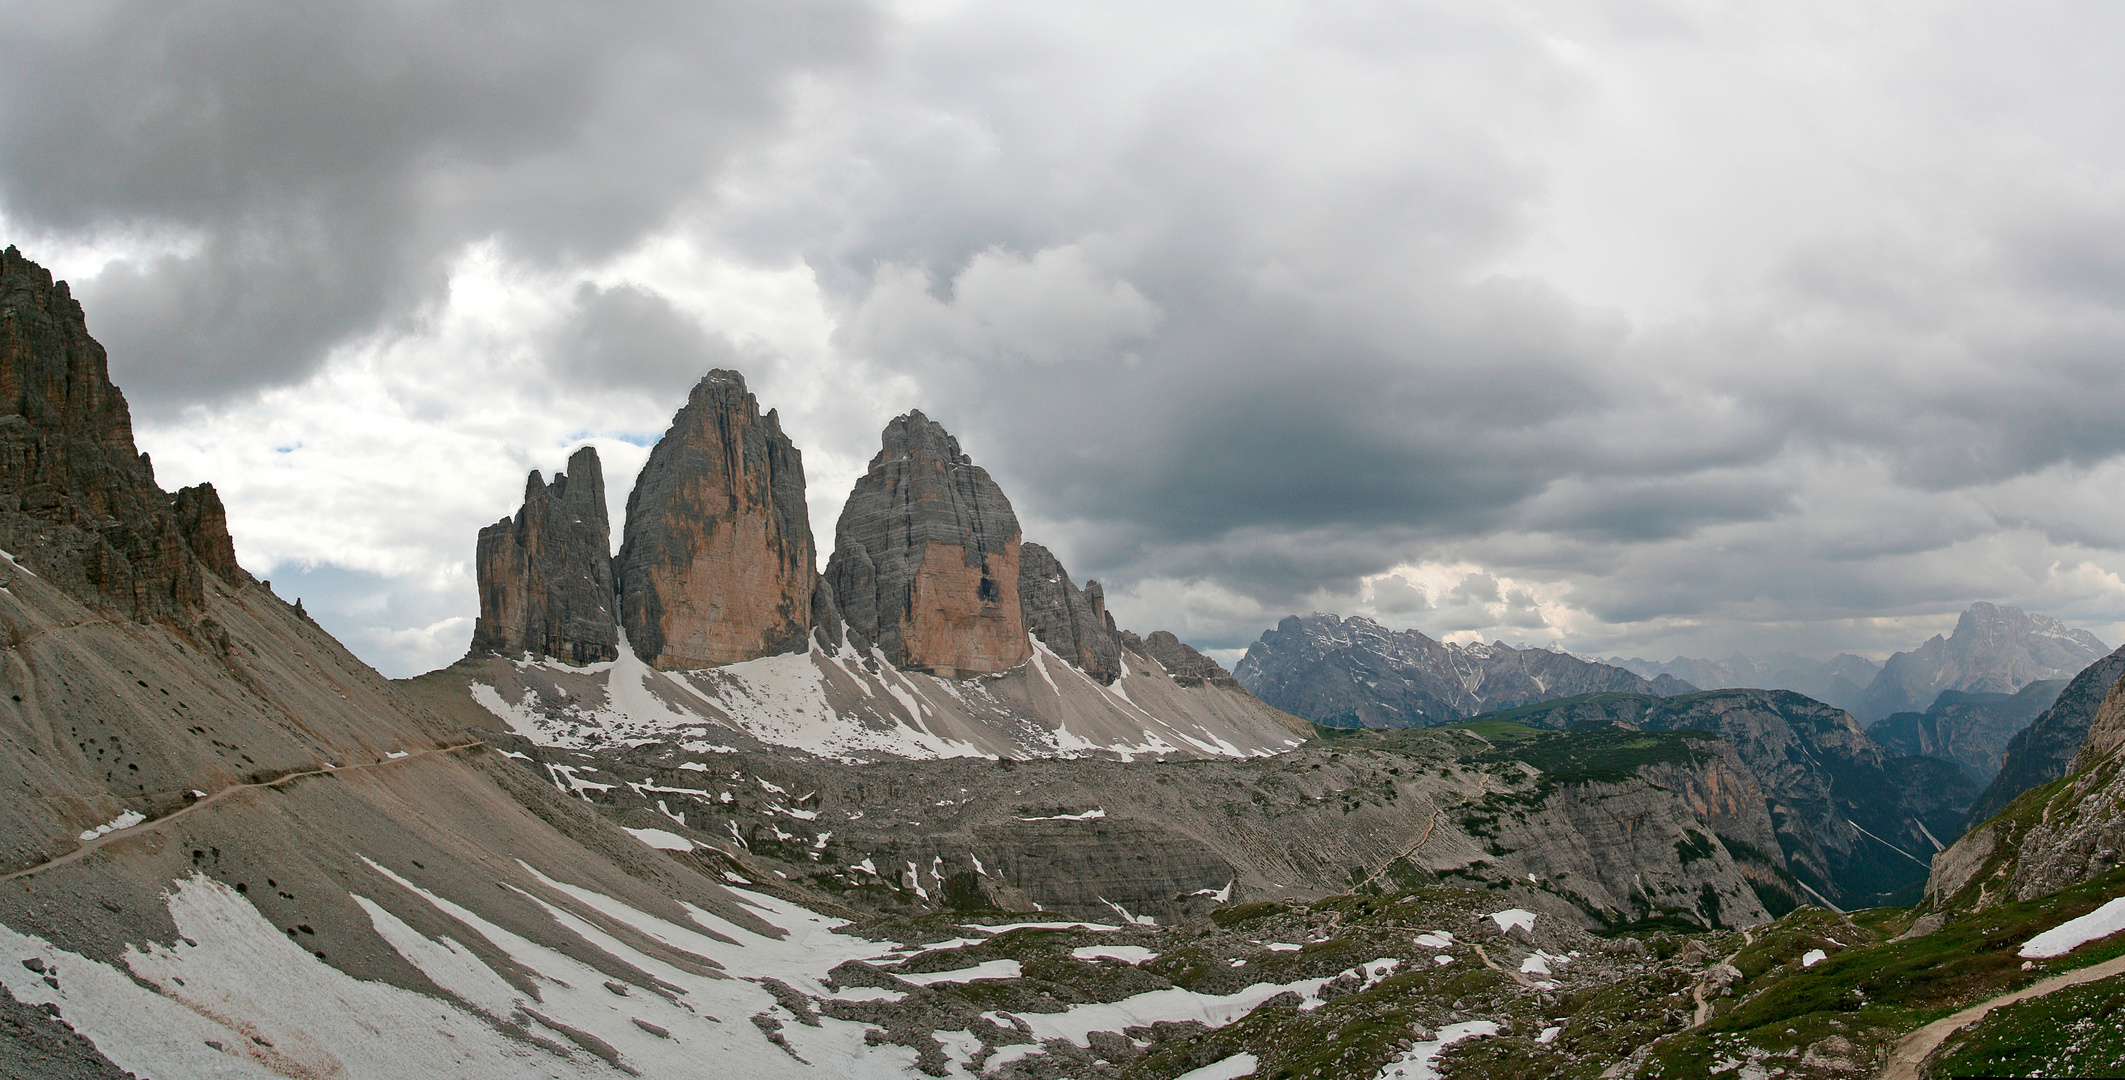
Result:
[[78, 501], [716, 565], [926, 557], [1072, 622], [545, 575]]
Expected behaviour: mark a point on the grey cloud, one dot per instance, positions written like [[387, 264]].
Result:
[[316, 165], [629, 336]]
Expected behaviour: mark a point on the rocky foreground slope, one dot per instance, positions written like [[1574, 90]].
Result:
[[1356, 673]]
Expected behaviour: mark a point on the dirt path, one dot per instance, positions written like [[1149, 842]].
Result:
[[1429, 824], [1704, 1008], [1912, 1051], [148, 826]]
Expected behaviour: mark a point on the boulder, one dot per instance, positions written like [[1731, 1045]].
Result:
[[716, 564], [926, 557], [545, 576]]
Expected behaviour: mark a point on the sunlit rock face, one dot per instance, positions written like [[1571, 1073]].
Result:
[[926, 557], [77, 498], [545, 576], [716, 565]]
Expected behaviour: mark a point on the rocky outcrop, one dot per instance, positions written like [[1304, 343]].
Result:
[[1070, 621], [1996, 650], [1356, 673], [545, 576], [1187, 666], [1969, 729], [716, 565], [926, 557], [2043, 751], [77, 498]]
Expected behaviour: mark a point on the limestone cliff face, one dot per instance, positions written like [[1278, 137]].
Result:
[[77, 498], [545, 576], [1071, 621], [716, 565], [926, 557]]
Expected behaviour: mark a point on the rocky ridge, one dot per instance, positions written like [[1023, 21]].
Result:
[[1840, 680], [78, 500], [2044, 751], [1356, 673], [545, 575], [1071, 621], [1996, 650]]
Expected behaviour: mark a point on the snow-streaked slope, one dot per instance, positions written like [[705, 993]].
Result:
[[234, 996], [850, 706]]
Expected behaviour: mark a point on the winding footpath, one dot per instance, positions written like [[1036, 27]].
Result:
[[1912, 1052], [88, 846]]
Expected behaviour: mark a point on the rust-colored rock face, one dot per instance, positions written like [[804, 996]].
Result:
[[546, 575], [716, 564], [926, 557], [76, 496]]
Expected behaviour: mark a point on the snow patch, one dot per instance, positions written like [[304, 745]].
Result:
[[2074, 933], [123, 821], [1416, 1064]]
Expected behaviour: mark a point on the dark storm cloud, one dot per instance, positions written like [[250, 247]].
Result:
[[629, 336], [312, 167]]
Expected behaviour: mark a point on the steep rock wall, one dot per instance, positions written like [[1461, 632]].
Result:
[[716, 565], [1071, 621], [545, 576], [926, 557]]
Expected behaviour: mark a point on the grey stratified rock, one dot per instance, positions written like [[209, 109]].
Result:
[[1071, 621], [716, 565], [545, 576], [77, 498], [1996, 650], [926, 557], [1356, 673], [2042, 752]]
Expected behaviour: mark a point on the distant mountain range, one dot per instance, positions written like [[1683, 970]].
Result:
[[1353, 672], [1994, 650], [1841, 680]]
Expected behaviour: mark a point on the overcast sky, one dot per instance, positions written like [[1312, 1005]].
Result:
[[1639, 327]]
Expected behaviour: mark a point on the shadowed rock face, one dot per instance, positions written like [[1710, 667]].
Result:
[[546, 575], [1071, 621], [2043, 751], [926, 557], [77, 498], [716, 566]]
